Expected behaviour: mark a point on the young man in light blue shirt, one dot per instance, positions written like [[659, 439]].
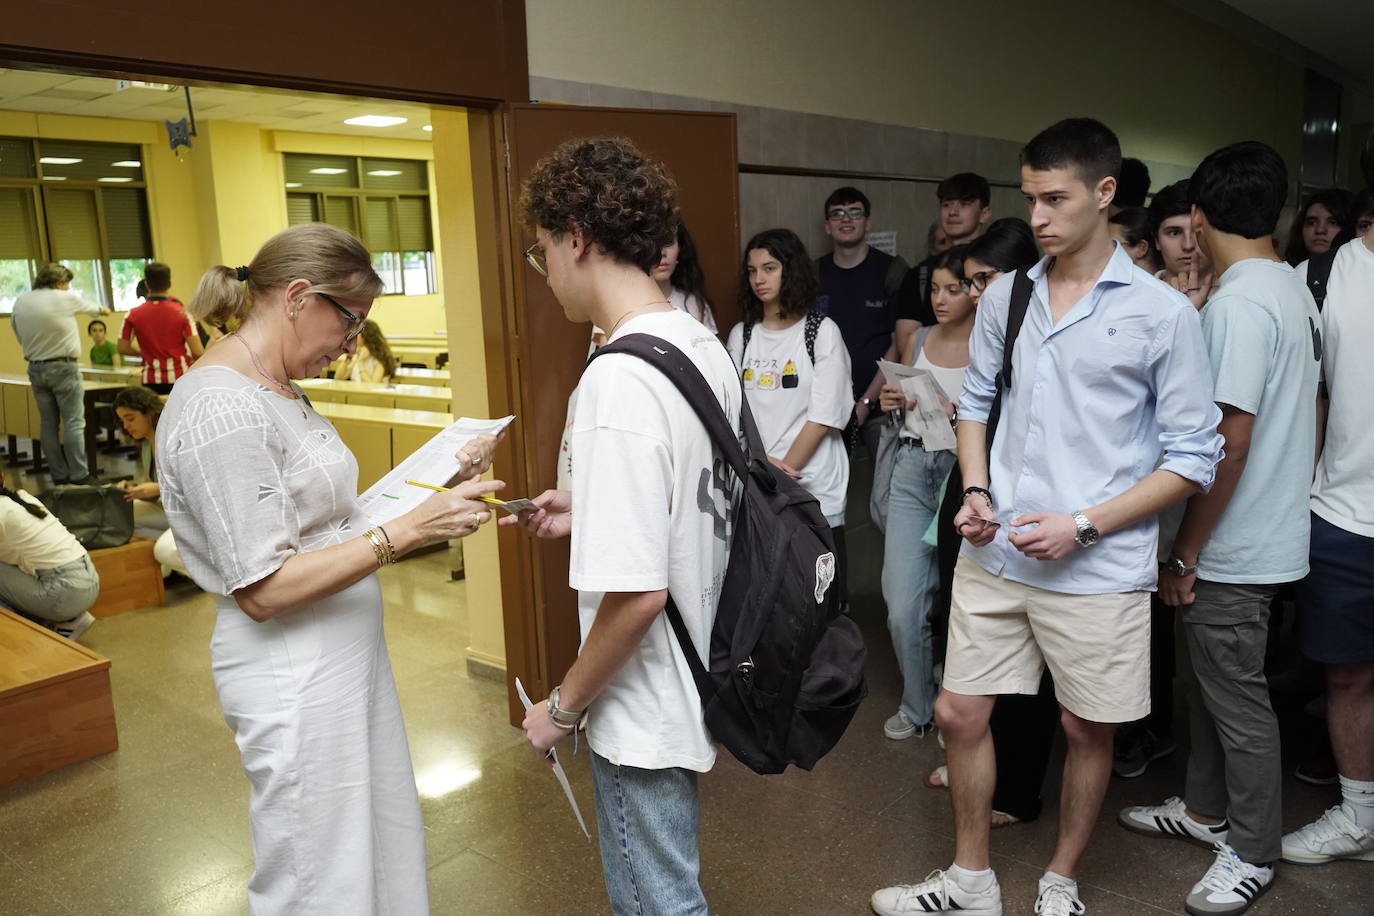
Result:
[[1109, 370], [1239, 542]]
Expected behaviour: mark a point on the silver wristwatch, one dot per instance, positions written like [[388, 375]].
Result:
[[1088, 534], [562, 717], [1178, 568]]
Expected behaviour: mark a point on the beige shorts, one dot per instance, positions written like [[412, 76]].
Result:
[[1003, 633]]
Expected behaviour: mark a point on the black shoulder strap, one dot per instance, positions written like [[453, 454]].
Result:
[[748, 332], [1318, 273], [1016, 316], [813, 327]]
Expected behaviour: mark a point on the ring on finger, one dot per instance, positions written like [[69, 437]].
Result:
[[476, 519]]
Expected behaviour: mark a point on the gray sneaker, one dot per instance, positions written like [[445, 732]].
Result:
[[1171, 820], [899, 727]]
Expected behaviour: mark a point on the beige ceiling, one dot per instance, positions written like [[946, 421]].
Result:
[[60, 93]]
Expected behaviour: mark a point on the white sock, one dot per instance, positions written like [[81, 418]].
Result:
[[975, 882], [1051, 877], [1359, 801]]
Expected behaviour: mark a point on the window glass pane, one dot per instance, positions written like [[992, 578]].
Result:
[[16, 277], [395, 174], [113, 163], [302, 208], [388, 267], [16, 158], [88, 279], [308, 170], [72, 228], [124, 276], [418, 270]]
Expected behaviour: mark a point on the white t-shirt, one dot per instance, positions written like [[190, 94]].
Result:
[[43, 323], [652, 503], [694, 307], [1343, 492], [785, 391], [1260, 324], [34, 543]]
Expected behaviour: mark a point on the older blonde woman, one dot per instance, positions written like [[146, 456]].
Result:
[[261, 495]]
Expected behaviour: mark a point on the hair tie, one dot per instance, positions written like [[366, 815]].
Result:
[[241, 273]]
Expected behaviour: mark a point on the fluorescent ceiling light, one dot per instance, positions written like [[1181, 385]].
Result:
[[127, 164], [325, 170], [59, 160], [114, 180], [374, 121], [428, 127], [384, 173], [293, 184], [54, 177]]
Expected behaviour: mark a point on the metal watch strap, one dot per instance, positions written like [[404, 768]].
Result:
[[1088, 534]]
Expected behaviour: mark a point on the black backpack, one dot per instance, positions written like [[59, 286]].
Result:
[[786, 668]]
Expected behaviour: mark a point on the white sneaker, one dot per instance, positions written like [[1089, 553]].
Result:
[[1171, 820], [1058, 899], [938, 893], [1229, 886], [1332, 836], [72, 629], [899, 727]]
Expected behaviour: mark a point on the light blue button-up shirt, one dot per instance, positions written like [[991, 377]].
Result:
[[1123, 377]]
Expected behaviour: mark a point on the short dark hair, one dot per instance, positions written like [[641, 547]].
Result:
[[1007, 244], [1132, 183], [1135, 225], [144, 400], [91, 327], [1363, 205], [1169, 201], [158, 276], [623, 201], [1241, 189], [798, 293], [964, 187], [1084, 145], [847, 195]]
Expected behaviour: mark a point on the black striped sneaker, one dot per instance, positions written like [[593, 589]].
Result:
[[1230, 885], [1171, 820], [938, 893]]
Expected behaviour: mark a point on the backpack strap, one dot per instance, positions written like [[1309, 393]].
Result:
[[813, 327], [1318, 273], [921, 334], [748, 332], [1021, 288]]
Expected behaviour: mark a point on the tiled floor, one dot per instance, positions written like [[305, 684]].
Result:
[[160, 826]]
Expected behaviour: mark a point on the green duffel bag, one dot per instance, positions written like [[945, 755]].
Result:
[[98, 516]]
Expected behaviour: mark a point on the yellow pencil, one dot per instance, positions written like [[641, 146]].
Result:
[[429, 486]]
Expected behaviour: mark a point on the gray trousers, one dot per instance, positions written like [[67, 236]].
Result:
[[1234, 769]]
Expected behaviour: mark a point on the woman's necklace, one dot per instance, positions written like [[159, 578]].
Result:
[[634, 311], [285, 389]]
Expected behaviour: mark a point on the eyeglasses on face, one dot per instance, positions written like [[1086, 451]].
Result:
[[534, 256], [355, 322], [980, 280], [837, 214]]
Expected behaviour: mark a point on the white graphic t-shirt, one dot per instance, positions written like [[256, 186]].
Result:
[[785, 391], [652, 504]]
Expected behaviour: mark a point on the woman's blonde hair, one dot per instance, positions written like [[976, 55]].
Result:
[[334, 262]]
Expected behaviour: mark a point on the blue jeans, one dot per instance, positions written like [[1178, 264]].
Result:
[[61, 399], [50, 595], [911, 572], [647, 821]]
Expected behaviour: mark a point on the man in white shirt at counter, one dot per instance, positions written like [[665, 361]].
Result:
[[43, 323], [1110, 370]]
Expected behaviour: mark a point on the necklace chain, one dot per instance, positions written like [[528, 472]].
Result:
[[285, 389], [634, 311]]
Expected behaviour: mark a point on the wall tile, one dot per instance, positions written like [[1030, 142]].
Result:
[[997, 160], [865, 147], [548, 89], [749, 130], [962, 154], [825, 141], [678, 102], [619, 97], [932, 153], [899, 152], [782, 137]]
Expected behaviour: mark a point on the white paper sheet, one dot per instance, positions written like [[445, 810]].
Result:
[[558, 771], [433, 463], [928, 421]]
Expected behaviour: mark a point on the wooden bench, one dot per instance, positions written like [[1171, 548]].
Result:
[[130, 578], [55, 703]]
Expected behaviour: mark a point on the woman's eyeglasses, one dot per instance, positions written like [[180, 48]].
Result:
[[355, 322], [980, 280]]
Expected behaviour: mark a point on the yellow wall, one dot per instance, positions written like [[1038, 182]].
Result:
[[1172, 86]]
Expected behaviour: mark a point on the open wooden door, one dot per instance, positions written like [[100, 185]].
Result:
[[543, 354]]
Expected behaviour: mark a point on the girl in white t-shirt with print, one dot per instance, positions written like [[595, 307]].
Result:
[[795, 371], [910, 565]]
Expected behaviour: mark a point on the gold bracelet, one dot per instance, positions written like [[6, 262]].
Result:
[[379, 547]]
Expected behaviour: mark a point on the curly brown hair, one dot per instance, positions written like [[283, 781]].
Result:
[[623, 201], [798, 294]]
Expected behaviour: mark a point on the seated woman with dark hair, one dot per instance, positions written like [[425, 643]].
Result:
[[45, 573], [138, 409], [373, 362]]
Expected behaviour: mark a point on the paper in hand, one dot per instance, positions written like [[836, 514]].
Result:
[[928, 421], [558, 771]]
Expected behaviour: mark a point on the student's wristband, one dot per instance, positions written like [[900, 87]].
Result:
[[987, 497]]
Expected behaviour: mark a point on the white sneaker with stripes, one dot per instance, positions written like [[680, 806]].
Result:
[[1171, 820], [938, 893], [1230, 885]]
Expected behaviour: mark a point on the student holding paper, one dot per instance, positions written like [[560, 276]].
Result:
[[796, 374], [262, 497], [910, 571]]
